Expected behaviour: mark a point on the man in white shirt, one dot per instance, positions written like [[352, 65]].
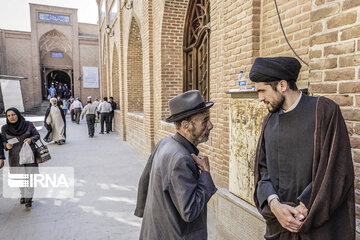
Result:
[[105, 108], [77, 106], [91, 114]]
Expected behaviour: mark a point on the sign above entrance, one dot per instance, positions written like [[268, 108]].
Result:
[[56, 18], [91, 77], [57, 54]]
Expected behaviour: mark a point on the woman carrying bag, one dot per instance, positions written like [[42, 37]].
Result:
[[17, 131]]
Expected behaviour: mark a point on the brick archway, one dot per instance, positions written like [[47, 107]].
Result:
[[172, 32], [135, 69], [115, 76]]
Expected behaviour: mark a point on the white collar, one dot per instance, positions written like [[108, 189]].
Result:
[[294, 104]]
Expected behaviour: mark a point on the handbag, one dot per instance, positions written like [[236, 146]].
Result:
[[42, 153]]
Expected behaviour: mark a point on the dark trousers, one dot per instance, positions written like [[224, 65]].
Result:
[[105, 119], [77, 112], [72, 114], [111, 117], [90, 120]]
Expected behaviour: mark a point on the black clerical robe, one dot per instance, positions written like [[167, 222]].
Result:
[[286, 154], [330, 193]]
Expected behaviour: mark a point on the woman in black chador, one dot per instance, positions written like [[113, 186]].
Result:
[[18, 130]]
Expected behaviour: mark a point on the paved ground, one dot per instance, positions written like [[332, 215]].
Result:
[[106, 176]]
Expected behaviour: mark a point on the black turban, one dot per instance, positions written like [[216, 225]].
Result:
[[275, 69]]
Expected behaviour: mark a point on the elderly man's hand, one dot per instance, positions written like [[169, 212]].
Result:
[[288, 216], [1, 163], [202, 162]]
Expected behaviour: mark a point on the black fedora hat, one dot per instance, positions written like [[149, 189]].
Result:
[[187, 104]]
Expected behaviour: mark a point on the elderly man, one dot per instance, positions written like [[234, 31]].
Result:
[[303, 169], [176, 184]]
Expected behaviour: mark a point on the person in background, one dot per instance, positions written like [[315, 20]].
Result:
[[56, 119], [2, 154], [52, 91], [77, 106], [65, 106], [71, 109], [91, 114], [18, 130], [105, 109], [59, 102], [67, 92], [111, 115]]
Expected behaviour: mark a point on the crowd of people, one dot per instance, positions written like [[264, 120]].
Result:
[[55, 121], [17, 131]]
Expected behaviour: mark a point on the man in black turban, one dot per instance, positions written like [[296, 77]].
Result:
[[304, 142]]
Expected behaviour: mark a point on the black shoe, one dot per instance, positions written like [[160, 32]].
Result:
[[28, 203], [107, 132], [22, 200], [101, 133]]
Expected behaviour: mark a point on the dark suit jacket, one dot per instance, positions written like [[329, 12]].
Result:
[[172, 195]]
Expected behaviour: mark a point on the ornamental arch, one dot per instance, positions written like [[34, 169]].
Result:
[[115, 76], [135, 69]]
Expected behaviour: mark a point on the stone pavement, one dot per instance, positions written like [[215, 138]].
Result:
[[107, 171]]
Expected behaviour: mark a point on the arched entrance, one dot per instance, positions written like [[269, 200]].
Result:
[[60, 80]]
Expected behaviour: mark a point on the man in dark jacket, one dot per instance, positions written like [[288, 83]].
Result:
[[176, 184], [111, 115], [304, 173]]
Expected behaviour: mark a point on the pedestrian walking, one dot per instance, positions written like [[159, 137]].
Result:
[[77, 106], [52, 91], [105, 109], [67, 92], [91, 115], [18, 131], [65, 106], [303, 168], [55, 117], [111, 115], [2, 154], [176, 184]]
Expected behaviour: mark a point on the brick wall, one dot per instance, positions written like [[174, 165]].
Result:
[[115, 76], [295, 17], [19, 63], [134, 70], [334, 66], [324, 33], [135, 133], [89, 57]]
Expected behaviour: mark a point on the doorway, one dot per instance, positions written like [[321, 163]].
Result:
[[61, 82]]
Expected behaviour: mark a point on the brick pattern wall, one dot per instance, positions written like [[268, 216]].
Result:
[[334, 55], [234, 43], [295, 17], [115, 76], [134, 70], [135, 133], [323, 32], [168, 63], [19, 63]]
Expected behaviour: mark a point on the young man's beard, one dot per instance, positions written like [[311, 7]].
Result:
[[277, 104]]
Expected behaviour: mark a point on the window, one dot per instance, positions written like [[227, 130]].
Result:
[[113, 12], [196, 48], [102, 12]]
